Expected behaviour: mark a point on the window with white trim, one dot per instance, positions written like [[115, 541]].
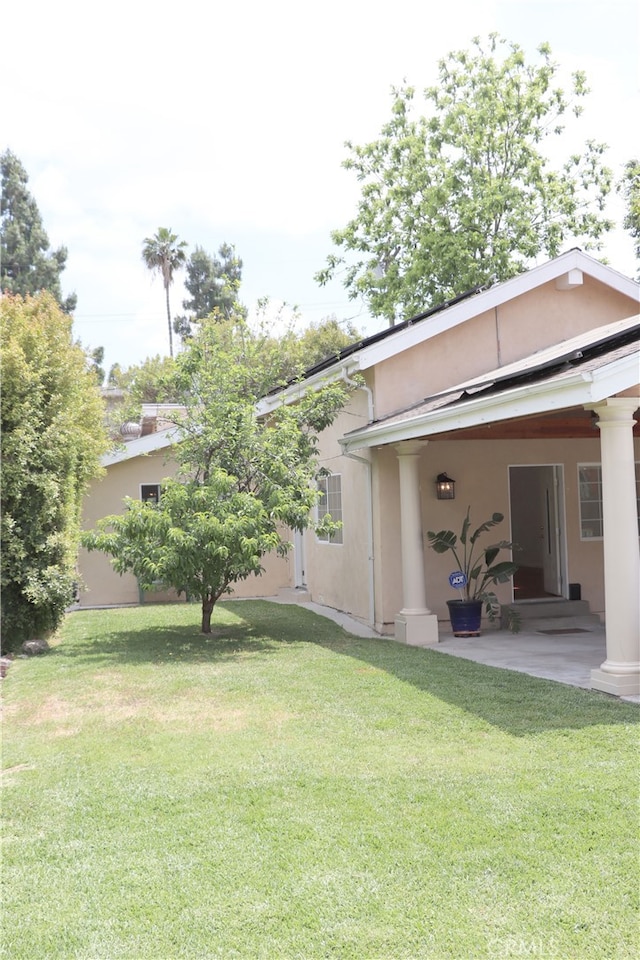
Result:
[[330, 502], [590, 496], [150, 492]]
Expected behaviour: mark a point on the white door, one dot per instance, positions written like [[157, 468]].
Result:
[[298, 560]]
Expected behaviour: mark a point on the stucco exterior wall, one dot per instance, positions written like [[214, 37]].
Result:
[[436, 364], [102, 586], [277, 575], [513, 330], [547, 316], [338, 574]]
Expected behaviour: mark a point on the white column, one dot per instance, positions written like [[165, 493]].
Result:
[[620, 673], [415, 624]]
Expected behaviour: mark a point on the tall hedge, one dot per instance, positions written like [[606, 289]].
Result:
[[52, 439]]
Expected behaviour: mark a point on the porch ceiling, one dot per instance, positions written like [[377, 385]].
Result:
[[573, 424]]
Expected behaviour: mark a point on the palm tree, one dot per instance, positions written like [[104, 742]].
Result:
[[164, 253]]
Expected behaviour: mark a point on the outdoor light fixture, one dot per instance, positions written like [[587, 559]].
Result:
[[445, 487]]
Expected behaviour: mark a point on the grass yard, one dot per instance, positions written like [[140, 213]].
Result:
[[284, 790]]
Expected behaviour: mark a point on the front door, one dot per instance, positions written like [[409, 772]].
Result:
[[537, 514]]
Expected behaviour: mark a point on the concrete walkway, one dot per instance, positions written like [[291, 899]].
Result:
[[566, 658]]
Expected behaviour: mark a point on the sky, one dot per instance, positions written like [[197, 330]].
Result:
[[227, 122]]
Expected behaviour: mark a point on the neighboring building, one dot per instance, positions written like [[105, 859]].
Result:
[[525, 394], [136, 469]]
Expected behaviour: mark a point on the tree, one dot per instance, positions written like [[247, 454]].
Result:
[[325, 339], [95, 359], [242, 480], [213, 284], [464, 196], [164, 253], [27, 265], [631, 190], [148, 382], [52, 440]]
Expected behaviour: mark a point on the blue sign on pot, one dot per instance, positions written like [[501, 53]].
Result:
[[457, 579]]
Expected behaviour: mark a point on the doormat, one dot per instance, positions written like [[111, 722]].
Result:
[[555, 633]]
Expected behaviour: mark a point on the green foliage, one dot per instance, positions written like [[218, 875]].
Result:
[[317, 342], [213, 284], [52, 439], [631, 189], [148, 382], [243, 479], [285, 357], [95, 358], [480, 570], [201, 538], [165, 253], [272, 360], [27, 265], [464, 195]]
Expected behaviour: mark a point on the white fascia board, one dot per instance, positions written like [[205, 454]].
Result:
[[297, 390], [142, 446], [619, 375], [482, 302], [578, 389]]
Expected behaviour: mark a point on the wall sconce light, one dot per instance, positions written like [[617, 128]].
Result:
[[445, 487]]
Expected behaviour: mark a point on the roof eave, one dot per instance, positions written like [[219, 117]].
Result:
[[577, 389], [141, 447]]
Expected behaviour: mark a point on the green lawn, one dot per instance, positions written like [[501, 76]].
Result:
[[284, 790]]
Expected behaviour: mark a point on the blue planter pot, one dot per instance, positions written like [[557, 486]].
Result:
[[465, 616]]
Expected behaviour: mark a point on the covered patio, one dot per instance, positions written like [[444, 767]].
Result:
[[563, 392]]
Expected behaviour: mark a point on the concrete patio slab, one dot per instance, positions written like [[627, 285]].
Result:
[[564, 657]]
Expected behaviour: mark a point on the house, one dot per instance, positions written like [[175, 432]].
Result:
[[526, 394], [135, 468]]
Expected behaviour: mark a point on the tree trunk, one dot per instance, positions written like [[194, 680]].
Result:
[[207, 610], [169, 322]]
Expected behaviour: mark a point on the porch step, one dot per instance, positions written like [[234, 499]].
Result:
[[553, 615]]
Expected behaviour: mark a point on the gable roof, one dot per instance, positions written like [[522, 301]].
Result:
[[566, 270], [583, 370], [142, 446]]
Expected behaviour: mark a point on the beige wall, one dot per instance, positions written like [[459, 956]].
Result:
[[277, 575], [434, 365], [512, 331], [101, 585], [338, 574], [547, 316]]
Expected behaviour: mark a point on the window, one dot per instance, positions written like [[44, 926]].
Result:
[[150, 492], [590, 492], [330, 502]]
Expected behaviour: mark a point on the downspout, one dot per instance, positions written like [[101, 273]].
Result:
[[368, 465]]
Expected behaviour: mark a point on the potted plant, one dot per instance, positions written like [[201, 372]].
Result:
[[475, 575]]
